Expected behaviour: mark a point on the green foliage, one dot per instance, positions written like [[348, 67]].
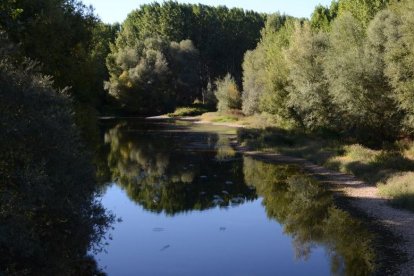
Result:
[[227, 94], [185, 67], [189, 111], [362, 10], [222, 35], [266, 73], [308, 91], [344, 64], [253, 80], [102, 36], [49, 217], [398, 36], [153, 75], [9, 12], [275, 38], [357, 83], [347, 70], [58, 34], [323, 16]]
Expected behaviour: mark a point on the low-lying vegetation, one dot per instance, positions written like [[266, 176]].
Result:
[[194, 110], [400, 188], [216, 117]]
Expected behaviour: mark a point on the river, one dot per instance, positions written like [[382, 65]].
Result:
[[188, 204]]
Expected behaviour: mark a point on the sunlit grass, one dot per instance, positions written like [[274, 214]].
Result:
[[188, 111], [400, 189]]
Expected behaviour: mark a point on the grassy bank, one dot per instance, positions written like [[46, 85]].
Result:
[[192, 110], [390, 168]]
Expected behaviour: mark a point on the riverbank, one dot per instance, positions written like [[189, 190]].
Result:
[[325, 160]]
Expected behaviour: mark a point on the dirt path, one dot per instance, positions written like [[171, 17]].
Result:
[[361, 196]]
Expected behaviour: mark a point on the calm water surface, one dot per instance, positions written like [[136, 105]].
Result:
[[191, 206]]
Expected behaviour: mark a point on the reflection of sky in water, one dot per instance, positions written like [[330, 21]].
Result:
[[235, 241]]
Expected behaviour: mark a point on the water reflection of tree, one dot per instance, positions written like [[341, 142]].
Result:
[[308, 214], [173, 171], [224, 150]]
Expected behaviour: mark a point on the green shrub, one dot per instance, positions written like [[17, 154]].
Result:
[[49, 216], [188, 111], [227, 94]]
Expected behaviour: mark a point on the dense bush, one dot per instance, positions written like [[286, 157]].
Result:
[[49, 218], [227, 94], [308, 91]]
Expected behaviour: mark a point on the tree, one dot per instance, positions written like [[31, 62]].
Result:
[[362, 10], [323, 16], [58, 34], [154, 76], [185, 66], [49, 217], [357, 83], [253, 80], [9, 12], [397, 28], [275, 38], [102, 36], [265, 71], [308, 90], [140, 78], [227, 94], [221, 35], [209, 99], [258, 81]]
